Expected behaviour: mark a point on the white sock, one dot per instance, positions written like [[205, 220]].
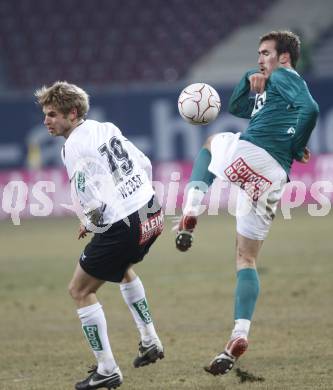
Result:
[[193, 202], [241, 328], [95, 329], [134, 295]]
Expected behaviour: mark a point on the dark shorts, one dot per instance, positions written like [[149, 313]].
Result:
[[109, 254]]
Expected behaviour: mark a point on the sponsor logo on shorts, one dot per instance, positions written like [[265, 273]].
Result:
[[91, 332], [251, 182], [141, 307], [151, 227]]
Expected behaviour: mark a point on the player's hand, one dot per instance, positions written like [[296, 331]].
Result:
[[306, 156], [82, 231], [257, 83]]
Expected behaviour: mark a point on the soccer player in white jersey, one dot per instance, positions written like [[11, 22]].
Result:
[[282, 116], [112, 183]]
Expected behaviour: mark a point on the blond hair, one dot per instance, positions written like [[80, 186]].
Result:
[[64, 97]]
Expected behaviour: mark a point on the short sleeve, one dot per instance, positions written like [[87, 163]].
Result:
[[70, 158]]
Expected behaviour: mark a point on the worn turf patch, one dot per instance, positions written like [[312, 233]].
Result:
[[245, 376]]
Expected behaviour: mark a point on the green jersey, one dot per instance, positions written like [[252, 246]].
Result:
[[281, 118]]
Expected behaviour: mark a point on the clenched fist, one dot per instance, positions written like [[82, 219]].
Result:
[[257, 82]]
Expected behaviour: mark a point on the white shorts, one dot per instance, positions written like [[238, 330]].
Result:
[[259, 176]]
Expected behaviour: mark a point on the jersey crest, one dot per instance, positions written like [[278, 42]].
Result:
[[259, 102]]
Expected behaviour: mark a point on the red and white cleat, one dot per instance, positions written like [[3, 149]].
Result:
[[224, 362], [184, 236]]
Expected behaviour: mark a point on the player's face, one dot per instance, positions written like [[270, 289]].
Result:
[[268, 59], [56, 122]]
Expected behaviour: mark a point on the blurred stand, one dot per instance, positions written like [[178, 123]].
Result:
[[134, 57]]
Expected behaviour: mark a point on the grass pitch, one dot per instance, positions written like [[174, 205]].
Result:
[[191, 298]]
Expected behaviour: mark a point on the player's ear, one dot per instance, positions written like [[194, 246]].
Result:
[[284, 58], [73, 113]]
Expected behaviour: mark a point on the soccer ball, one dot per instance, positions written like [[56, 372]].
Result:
[[199, 104]]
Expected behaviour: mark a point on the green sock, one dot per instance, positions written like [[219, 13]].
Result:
[[200, 172], [246, 294]]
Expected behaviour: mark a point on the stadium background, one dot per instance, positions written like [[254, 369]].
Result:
[[134, 57]]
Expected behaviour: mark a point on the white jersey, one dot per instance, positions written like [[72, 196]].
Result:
[[109, 173]]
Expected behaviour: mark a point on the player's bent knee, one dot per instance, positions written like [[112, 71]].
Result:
[[245, 259], [207, 144], [76, 293], [245, 262], [72, 291]]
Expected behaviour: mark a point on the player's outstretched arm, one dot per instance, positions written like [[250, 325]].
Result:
[[240, 104]]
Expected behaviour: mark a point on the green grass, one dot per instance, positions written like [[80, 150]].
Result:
[[191, 297]]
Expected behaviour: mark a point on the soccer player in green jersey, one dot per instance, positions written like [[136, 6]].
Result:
[[282, 116]]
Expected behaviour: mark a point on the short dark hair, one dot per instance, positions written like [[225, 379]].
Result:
[[285, 42]]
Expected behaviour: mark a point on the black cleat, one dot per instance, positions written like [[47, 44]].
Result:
[[98, 381], [184, 240], [184, 237], [148, 355]]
